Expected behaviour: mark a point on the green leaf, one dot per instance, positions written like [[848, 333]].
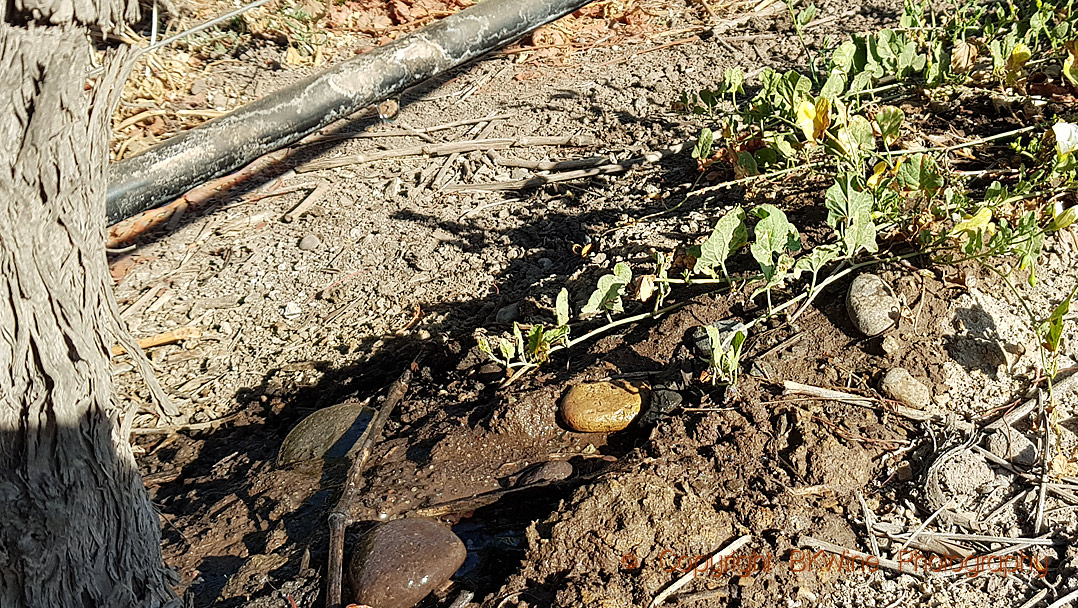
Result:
[[484, 347], [882, 49], [727, 237], [835, 85], [860, 82], [996, 48], [815, 260], [561, 307], [1063, 220], [791, 89], [725, 350], [920, 173], [1054, 336], [906, 59], [747, 162], [507, 349], [607, 296], [889, 120], [774, 236], [842, 58], [785, 147], [937, 64], [844, 202], [519, 337], [861, 130], [702, 149], [849, 211], [535, 341], [733, 80], [765, 157], [553, 335], [860, 234]]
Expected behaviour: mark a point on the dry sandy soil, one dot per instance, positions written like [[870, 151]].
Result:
[[403, 264]]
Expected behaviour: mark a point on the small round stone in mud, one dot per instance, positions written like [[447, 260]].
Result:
[[871, 304], [900, 385], [602, 407], [317, 434], [508, 314], [310, 242], [400, 562]]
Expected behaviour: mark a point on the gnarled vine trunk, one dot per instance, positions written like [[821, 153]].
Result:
[[76, 526]]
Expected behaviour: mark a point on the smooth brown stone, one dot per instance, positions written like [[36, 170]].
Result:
[[399, 562], [602, 407]]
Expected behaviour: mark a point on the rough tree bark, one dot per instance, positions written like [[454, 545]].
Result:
[[76, 525]]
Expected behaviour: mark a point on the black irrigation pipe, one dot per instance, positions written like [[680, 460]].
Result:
[[163, 173]]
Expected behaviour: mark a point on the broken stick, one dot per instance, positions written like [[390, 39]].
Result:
[[168, 337], [447, 149], [305, 205], [796, 388], [542, 180], [341, 515]]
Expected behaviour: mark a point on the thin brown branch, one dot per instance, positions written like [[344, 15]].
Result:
[[447, 149], [341, 515]]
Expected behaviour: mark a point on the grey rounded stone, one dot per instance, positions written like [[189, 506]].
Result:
[[1013, 446], [400, 562], [310, 242], [508, 314], [871, 304], [328, 432], [900, 385]]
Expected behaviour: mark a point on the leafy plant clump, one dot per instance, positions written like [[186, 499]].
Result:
[[890, 197]]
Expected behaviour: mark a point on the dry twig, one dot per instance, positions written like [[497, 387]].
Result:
[[305, 205], [168, 337], [447, 149], [796, 388], [691, 574], [341, 515], [542, 180]]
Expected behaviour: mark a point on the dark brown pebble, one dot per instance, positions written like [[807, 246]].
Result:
[[399, 562]]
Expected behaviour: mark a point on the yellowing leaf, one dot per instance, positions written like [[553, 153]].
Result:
[[645, 287], [1061, 466], [877, 174], [1019, 56], [1070, 62], [814, 118], [975, 223], [1066, 137], [806, 118]]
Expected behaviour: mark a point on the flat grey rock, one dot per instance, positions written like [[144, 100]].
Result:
[[900, 385], [310, 242], [871, 304], [328, 432], [1012, 446]]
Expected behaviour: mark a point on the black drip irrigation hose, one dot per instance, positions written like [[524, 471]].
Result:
[[164, 172]]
